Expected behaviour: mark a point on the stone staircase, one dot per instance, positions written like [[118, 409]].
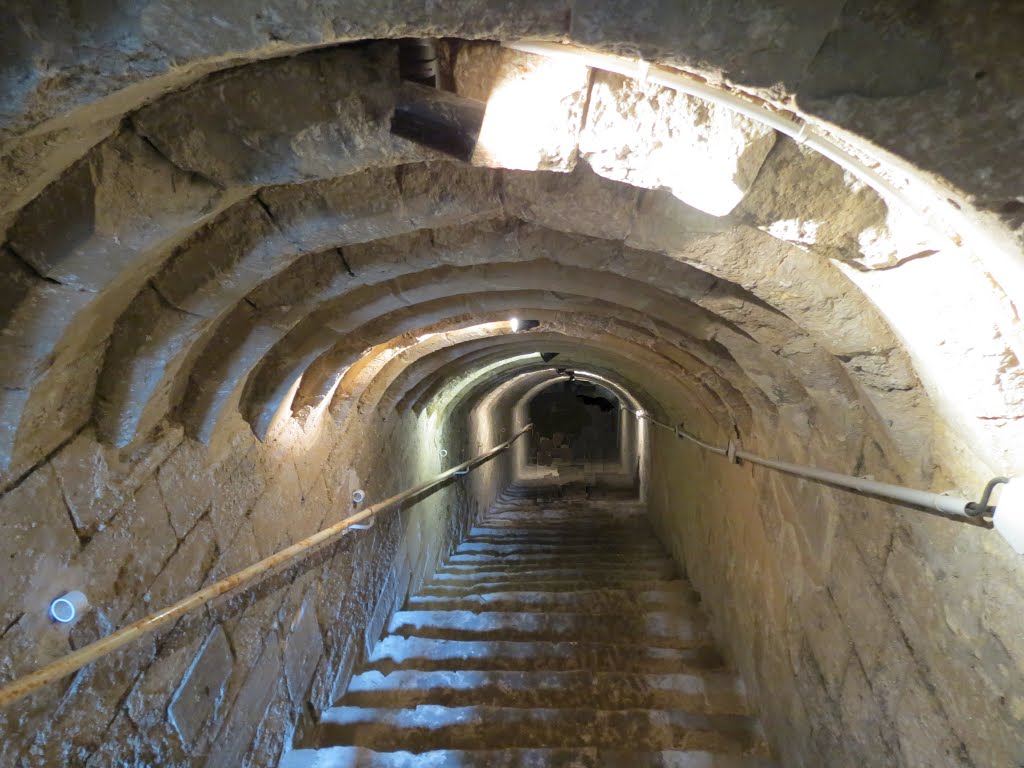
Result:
[[558, 634]]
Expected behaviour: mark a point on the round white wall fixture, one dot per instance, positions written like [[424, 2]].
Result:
[[358, 497], [67, 608], [444, 453]]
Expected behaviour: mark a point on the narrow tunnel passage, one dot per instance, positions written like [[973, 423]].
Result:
[[267, 267]]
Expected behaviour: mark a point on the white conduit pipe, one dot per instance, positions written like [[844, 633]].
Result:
[[796, 129], [955, 506]]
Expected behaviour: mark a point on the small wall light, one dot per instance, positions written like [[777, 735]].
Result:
[[358, 497], [514, 322], [444, 453], [67, 608]]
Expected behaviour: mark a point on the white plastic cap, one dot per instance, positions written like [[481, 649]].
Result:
[[68, 607], [1009, 515]]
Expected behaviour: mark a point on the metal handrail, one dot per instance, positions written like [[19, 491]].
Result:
[[944, 504], [65, 665]]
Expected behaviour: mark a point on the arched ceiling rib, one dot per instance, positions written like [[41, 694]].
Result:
[[292, 240]]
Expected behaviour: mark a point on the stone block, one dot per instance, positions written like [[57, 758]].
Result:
[[320, 115], [580, 202], [867, 733], [359, 208], [345, 666], [925, 735], [665, 224], [147, 347], [861, 604], [103, 215], [79, 726], [239, 485], [186, 485], [275, 731], [303, 649], [126, 743], [89, 486], [271, 515], [35, 315], [147, 702], [186, 570], [248, 708], [511, 83], [383, 607], [195, 705], [39, 542], [828, 640], [224, 260], [653, 137], [120, 562], [444, 194]]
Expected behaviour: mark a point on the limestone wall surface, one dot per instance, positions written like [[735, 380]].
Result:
[[229, 684], [855, 624]]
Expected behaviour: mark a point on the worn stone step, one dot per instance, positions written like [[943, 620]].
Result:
[[428, 654], [359, 757], [570, 549], [457, 586], [665, 630], [706, 693], [558, 556], [597, 601], [515, 569], [582, 519], [500, 529], [550, 579], [551, 544], [544, 559], [429, 727]]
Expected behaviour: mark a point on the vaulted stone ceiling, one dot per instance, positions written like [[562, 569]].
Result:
[[262, 226]]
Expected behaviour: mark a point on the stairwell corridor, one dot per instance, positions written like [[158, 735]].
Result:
[[559, 633]]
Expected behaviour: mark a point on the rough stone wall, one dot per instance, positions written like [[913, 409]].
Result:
[[855, 624], [138, 532]]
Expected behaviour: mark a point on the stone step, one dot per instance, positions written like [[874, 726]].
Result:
[[662, 629], [428, 654], [705, 693], [551, 579], [429, 727], [459, 586], [359, 757], [539, 517], [556, 538], [514, 569], [547, 559], [597, 601], [620, 547]]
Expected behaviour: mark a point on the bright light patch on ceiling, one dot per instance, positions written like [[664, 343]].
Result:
[[532, 114], [796, 231]]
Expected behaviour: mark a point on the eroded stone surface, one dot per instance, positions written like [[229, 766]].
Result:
[[650, 136], [197, 700]]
